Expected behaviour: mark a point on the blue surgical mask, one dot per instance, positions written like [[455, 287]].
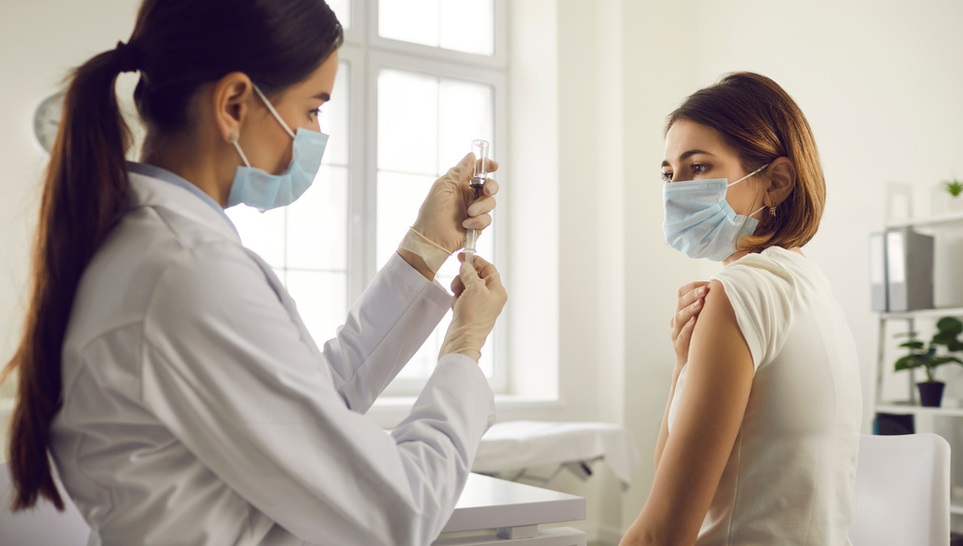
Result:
[[699, 221], [262, 190]]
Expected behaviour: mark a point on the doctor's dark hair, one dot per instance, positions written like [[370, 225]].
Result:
[[177, 46], [757, 118]]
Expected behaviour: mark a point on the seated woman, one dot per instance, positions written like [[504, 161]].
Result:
[[759, 439]]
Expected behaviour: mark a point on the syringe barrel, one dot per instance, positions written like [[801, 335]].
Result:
[[471, 237], [480, 149]]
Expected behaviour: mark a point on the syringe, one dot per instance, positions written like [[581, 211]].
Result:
[[477, 182]]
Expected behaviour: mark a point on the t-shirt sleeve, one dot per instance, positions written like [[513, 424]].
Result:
[[761, 292]]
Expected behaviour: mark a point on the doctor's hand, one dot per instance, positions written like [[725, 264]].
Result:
[[451, 208], [691, 298], [479, 299]]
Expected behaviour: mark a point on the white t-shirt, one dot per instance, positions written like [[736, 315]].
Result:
[[789, 479]]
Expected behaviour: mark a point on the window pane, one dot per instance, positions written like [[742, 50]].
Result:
[[399, 197], [342, 9], [318, 223], [465, 113], [407, 122], [480, 38], [334, 119], [413, 21], [322, 301], [459, 25], [261, 232]]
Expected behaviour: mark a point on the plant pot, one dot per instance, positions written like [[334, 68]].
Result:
[[931, 393]]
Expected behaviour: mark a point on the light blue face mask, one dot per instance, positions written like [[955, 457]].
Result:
[[264, 191], [699, 221]]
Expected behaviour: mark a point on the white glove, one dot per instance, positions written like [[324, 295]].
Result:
[[449, 209], [479, 299]]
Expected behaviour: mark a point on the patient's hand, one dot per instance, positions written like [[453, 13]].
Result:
[[691, 298]]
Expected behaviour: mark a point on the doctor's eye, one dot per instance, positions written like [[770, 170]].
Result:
[[314, 113], [699, 168], [666, 176]]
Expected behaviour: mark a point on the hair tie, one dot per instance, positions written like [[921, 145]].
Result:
[[126, 58]]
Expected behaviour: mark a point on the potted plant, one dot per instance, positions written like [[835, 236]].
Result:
[[924, 355], [953, 187]]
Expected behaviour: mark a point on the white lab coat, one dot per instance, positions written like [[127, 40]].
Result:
[[198, 410]]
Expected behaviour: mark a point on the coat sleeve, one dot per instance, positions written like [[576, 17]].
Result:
[[225, 370], [384, 329]]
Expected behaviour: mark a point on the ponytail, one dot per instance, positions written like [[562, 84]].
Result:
[[84, 193], [177, 46]]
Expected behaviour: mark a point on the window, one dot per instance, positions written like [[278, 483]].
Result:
[[413, 90]]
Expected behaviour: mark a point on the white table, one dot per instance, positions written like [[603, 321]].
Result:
[[498, 512]]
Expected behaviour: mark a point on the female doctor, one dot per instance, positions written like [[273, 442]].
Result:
[[164, 366]]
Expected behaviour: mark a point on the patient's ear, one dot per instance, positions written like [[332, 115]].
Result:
[[782, 180]]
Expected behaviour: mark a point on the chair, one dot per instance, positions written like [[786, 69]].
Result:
[[42, 525], [902, 495]]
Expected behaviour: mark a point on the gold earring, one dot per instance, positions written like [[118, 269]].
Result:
[[772, 210]]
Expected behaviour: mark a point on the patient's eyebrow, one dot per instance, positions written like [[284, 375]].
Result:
[[686, 155]]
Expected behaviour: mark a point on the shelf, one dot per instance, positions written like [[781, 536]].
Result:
[[924, 313], [932, 221], [902, 408]]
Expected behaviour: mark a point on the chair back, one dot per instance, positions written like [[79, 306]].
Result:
[[42, 525], [902, 495]]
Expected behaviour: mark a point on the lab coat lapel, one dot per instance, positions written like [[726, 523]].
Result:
[[285, 298]]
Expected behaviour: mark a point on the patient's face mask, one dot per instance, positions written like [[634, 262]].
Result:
[[262, 190], [699, 221]]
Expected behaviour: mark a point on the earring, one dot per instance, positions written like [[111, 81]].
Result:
[[232, 138], [772, 210]]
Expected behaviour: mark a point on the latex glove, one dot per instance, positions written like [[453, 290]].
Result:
[[451, 208], [691, 298], [479, 299]]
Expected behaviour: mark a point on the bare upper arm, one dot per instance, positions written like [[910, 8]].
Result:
[[718, 380]]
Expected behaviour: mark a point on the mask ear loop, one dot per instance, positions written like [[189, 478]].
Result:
[[232, 138], [772, 209], [273, 111]]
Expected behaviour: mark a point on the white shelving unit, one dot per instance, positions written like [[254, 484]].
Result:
[[910, 405]]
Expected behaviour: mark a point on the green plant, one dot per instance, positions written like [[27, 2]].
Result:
[[954, 187], [923, 355]]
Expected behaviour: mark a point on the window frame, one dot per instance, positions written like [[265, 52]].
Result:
[[366, 53]]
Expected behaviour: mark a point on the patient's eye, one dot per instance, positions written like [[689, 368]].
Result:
[[699, 168], [666, 176]]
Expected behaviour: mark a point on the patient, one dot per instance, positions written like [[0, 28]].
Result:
[[759, 439]]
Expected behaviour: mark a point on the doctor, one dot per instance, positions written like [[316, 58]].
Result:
[[164, 366]]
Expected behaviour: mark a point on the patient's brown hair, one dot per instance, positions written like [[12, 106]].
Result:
[[762, 123]]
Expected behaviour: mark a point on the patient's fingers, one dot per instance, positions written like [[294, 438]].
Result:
[[691, 292], [691, 298]]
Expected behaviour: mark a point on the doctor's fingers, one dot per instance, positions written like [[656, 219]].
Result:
[[477, 222], [491, 187], [488, 273], [465, 168], [482, 205]]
